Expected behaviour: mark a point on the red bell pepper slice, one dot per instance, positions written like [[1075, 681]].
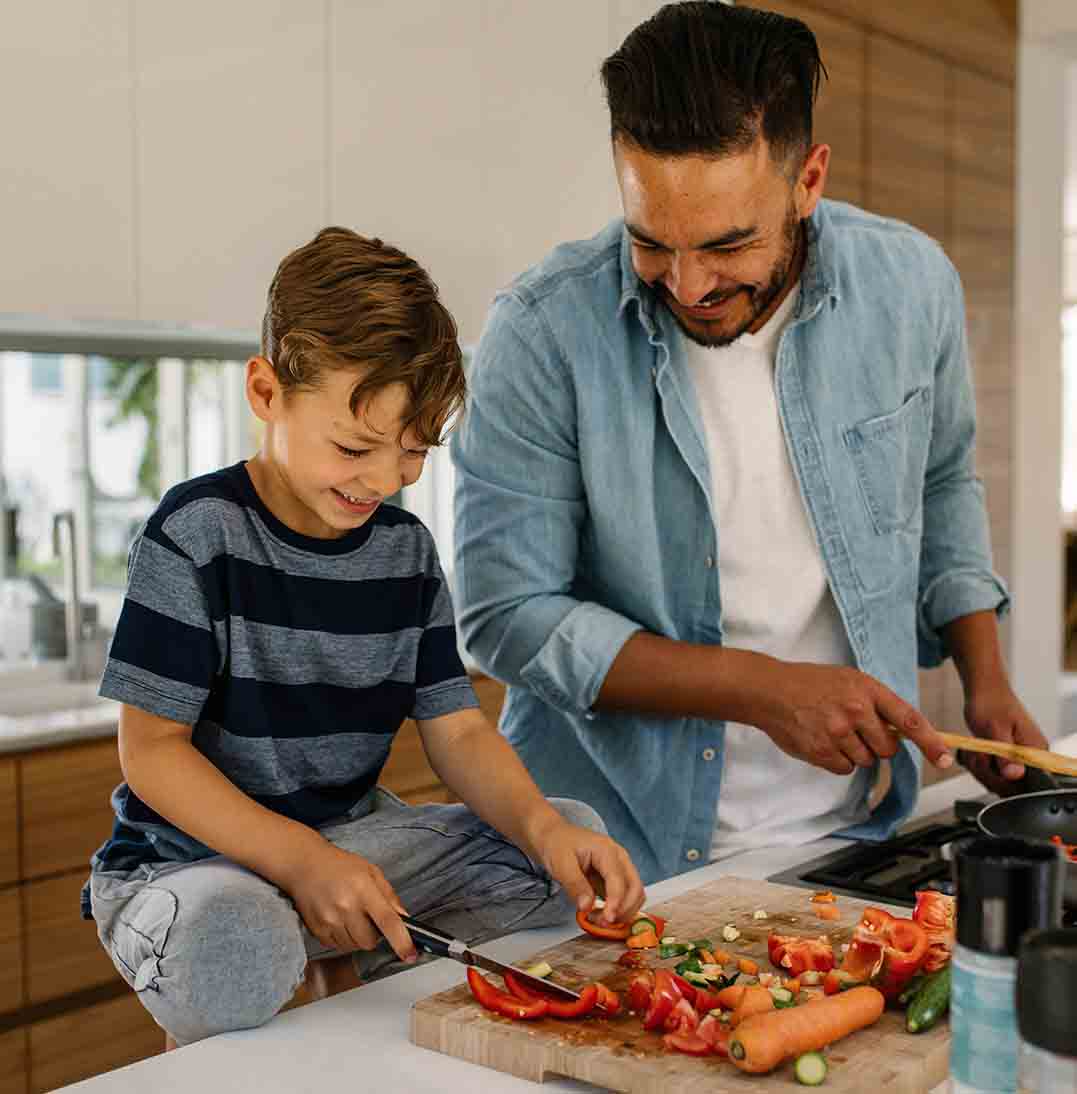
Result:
[[608, 1000], [937, 914], [640, 991], [798, 955], [500, 1002], [557, 1008], [890, 949], [664, 998], [619, 931], [705, 1000], [686, 989]]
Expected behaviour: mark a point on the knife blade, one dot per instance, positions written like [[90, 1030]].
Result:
[[437, 942]]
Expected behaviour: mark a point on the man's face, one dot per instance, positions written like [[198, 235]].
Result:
[[715, 237], [327, 469]]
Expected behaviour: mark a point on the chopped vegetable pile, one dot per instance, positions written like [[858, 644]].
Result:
[[1070, 849]]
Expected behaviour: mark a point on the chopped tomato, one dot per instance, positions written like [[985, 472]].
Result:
[[557, 1008], [715, 1033], [893, 949], [682, 1018], [800, 955], [502, 1003], [686, 989], [608, 1000], [705, 1000], [619, 931], [936, 913], [633, 959], [664, 998], [690, 1043], [640, 991]]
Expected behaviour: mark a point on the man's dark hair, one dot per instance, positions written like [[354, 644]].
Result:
[[703, 78]]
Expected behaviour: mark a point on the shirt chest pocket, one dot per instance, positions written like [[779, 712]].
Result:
[[890, 453]]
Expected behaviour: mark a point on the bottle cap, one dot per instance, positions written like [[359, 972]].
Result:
[[1005, 886], [1047, 990]]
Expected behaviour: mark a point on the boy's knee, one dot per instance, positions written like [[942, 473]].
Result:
[[577, 812], [228, 963]]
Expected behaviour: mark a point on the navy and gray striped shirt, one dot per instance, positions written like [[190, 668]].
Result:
[[295, 659]]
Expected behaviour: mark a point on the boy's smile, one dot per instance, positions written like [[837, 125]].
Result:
[[322, 470]]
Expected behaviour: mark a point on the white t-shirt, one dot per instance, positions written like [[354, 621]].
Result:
[[775, 596]]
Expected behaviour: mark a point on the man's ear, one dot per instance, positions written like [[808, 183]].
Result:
[[812, 179], [264, 393]]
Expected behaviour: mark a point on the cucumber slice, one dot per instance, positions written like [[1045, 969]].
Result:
[[810, 1069], [697, 978], [673, 949], [643, 924], [782, 997], [689, 964]]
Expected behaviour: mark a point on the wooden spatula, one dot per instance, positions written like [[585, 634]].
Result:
[[1021, 754]]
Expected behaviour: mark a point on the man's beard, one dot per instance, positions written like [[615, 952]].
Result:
[[760, 298]]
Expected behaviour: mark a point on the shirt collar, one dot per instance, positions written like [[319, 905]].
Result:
[[818, 279]]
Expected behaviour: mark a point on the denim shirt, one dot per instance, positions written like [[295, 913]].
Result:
[[583, 508]]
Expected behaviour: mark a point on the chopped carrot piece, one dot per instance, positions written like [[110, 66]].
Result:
[[722, 957], [707, 957], [747, 966], [828, 911], [645, 940], [792, 985], [824, 897]]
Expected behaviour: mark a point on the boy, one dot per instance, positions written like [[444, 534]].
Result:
[[280, 623]]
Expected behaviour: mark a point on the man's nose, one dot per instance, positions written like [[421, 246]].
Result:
[[687, 280]]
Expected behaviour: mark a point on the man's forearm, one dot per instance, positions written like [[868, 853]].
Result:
[[973, 641], [655, 675]]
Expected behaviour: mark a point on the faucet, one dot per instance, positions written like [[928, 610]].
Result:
[[64, 544]]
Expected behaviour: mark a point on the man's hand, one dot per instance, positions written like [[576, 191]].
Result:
[[347, 903], [571, 853], [839, 718], [994, 712]]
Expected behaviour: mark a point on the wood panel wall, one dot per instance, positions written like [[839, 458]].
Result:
[[919, 113]]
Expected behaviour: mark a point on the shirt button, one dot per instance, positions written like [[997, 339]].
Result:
[[709, 562], [691, 854], [709, 754]]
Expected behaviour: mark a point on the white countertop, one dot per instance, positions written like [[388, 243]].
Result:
[[358, 1040]]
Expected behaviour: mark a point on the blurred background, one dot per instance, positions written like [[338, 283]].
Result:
[[160, 159]]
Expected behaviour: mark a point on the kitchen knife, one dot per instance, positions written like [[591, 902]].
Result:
[[435, 942]]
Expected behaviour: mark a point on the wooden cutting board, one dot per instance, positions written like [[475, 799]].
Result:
[[618, 1054]]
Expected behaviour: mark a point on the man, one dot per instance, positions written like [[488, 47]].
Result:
[[716, 496]]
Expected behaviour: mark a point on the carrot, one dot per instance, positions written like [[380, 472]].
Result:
[[828, 911], [644, 941], [729, 998], [707, 957], [755, 1000], [762, 1042], [747, 966], [792, 985], [722, 957], [824, 897]]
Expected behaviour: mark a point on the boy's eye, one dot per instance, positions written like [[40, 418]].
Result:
[[353, 453], [417, 453]]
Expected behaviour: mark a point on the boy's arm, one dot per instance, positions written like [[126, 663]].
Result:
[[477, 764], [337, 894]]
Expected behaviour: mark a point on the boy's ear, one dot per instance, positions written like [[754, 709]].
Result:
[[264, 392]]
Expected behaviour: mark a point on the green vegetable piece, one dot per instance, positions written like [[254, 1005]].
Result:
[[930, 1003], [643, 925], [690, 964], [782, 997], [672, 949], [810, 1069], [703, 944], [913, 986]]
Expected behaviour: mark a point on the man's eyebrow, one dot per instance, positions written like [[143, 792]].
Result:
[[727, 239]]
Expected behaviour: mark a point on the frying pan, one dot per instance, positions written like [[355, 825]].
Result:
[[1038, 815]]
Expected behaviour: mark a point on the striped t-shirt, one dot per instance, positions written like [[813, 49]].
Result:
[[295, 659]]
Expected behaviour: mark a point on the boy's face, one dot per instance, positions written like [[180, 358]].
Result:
[[324, 470]]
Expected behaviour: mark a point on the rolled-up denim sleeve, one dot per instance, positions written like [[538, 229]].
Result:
[[956, 575], [520, 504]]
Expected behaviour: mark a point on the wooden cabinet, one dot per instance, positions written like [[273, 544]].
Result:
[[63, 955], [66, 814], [87, 1042], [906, 175], [11, 961], [14, 1062], [9, 826]]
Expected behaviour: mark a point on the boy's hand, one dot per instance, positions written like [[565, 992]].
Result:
[[347, 903], [570, 853]]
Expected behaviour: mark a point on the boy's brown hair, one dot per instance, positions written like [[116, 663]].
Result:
[[345, 301]]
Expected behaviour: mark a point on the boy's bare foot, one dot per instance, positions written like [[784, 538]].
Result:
[[329, 976]]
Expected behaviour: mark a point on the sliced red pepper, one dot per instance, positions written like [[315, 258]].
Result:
[[888, 948], [691, 1043], [608, 1000], [640, 990], [705, 1000], [796, 955], [937, 914], [557, 1008], [686, 989], [619, 931], [664, 998], [500, 1002]]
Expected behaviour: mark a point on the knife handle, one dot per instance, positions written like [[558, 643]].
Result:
[[428, 939]]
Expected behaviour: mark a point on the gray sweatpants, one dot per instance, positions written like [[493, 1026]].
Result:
[[211, 947]]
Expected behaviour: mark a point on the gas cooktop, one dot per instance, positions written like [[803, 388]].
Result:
[[890, 872]]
